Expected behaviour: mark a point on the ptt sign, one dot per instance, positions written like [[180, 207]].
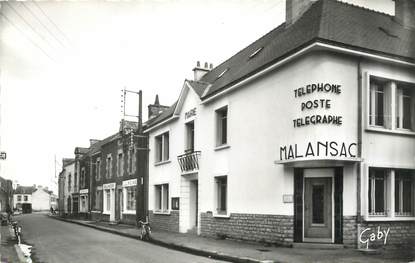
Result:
[[3, 155]]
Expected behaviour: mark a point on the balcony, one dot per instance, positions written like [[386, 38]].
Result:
[[189, 162]]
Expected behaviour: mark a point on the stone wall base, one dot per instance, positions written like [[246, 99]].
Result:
[[166, 222], [401, 235], [275, 229]]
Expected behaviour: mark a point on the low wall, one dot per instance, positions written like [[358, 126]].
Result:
[[166, 222], [276, 229]]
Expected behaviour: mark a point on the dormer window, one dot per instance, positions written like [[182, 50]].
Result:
[[256, 52], [223, 73]]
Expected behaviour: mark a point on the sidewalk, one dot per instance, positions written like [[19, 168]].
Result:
[[7, 247], [234, 251]]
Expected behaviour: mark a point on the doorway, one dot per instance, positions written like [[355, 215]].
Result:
[[193, 209], [318, 222]]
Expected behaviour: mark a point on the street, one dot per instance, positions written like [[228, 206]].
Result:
[[57, 241]]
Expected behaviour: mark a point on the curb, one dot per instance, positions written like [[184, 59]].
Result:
[[183, 248]]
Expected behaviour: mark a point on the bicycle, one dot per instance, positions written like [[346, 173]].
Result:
[[17, 231], [145, 230]]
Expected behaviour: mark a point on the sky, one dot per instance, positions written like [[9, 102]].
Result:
[[63, 65]]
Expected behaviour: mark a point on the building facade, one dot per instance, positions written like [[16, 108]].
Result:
[[41, 199], [32, 198], [119, 176], [6, 194], [306, 135], [66, 186], [22, 198]]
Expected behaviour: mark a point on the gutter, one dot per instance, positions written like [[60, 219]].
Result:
[[161, 123]]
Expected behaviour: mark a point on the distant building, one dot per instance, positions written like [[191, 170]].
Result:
[[33, 198], [66, 186], [22, 198]]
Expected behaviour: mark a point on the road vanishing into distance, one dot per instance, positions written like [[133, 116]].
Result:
[[61, 242]]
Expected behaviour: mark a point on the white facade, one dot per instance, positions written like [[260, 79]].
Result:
[[41, 200], [265, 143], [19, 199], [68, 189]]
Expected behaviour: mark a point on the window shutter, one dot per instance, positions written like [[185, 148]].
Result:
[[298, 204]]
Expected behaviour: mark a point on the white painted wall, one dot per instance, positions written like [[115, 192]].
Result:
[[40, 200], [260, 120], [15, 202], [69, 169]]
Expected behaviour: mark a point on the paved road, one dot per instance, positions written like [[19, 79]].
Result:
[[57, 241]]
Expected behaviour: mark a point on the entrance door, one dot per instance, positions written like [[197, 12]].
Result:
[[193, 205], [318, 223]]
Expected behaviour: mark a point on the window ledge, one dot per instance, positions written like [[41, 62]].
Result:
[[165, 213], [96, 212], [383, 218], [162, 162], [106, 213], [389, 131], [221, 147], [128, 212], [222, 215]]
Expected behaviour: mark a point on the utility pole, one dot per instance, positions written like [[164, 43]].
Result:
[[141, 143]]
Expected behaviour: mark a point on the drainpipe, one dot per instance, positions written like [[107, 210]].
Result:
[[359, 148]]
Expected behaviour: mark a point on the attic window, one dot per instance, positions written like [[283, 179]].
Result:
[[223, 73], [256, 52]]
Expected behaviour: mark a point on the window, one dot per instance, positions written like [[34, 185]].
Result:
[[107, 201], [69, 182], [75, 181], [376, 103], [221, 194], [25, 198], [377, 192], [19, 198], [190, 136], [131, 161], [391, 192], [98, 169], [130, 198], [83, 178], [386, 94], [84, 207], [162, 147], [222, 126], [120, 165], [162, 197], [98, 199], [108, 171], [404, 193], [403, 107]]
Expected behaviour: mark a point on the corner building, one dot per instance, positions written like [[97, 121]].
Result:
[[306, 135]]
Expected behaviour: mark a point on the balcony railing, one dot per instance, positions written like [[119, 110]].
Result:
[[189, 162]]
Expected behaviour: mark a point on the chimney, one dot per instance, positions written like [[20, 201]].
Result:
[[405, 12], [294, 9], [156, 108], [199, 71], [92, 142]]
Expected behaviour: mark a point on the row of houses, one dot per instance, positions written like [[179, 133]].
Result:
[[306, 135]]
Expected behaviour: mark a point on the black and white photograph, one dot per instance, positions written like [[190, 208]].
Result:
[[252, 131]]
